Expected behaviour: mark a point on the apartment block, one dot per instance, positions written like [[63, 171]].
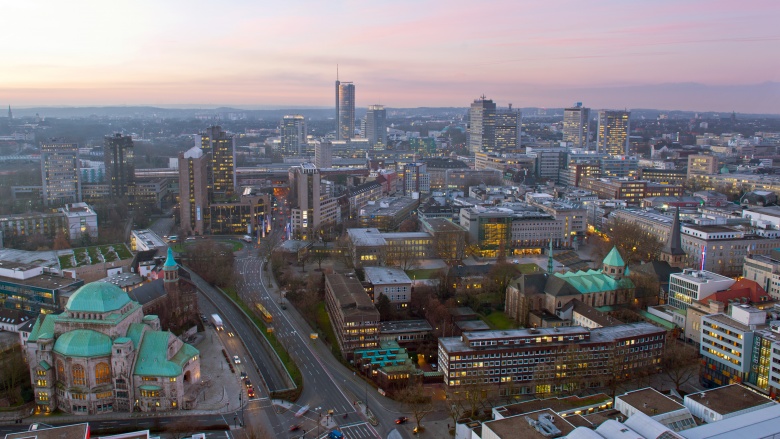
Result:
[[354, 317]]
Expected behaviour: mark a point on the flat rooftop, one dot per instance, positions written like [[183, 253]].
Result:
[[558, 405], [44, 281], [701, 276], [399, 326], [520, 427], [388, 206], [76, 431], [386, 275], [650, 402], [729, 399], [725, 320], [370, 237]]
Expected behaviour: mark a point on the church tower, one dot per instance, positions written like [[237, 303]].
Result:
[[613, 265], [672, 251], [170, 269]]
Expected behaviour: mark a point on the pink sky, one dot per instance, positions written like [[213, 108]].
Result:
[[401, 53]]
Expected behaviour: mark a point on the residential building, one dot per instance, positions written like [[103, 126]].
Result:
[[292, 135], [765, 270], [312, 206], [193, 191], [118, 156], [60, 176], [727, 344], [576, 126], [699, 164], [345, 110], [376, 126], [360, 195], [390, 282], [354, 317], [545, 360], [613, 131], [103, 355], [482, 126]]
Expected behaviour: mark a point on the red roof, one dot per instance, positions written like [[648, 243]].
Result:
[[741, 288]]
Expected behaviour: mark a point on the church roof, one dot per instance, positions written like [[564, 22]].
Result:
[[97, 297], [613, 258], [170, 261], [148, 292], [593, 281], [83, 343], [673, 244], [153, 356], [43, 328]]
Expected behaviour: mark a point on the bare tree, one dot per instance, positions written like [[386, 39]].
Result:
[[679, 363], [474, 395], [416, 401], [404, 257], [634, 243]]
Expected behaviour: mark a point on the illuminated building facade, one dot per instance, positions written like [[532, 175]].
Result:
[[702, 165], [60, 176], [482, 125], [220, 148], [353, 315], [507, 129], [312, 206], [292, 135], [613, 131], [345, 110], [576, 126]]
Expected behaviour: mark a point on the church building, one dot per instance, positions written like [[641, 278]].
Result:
[[103, 355]]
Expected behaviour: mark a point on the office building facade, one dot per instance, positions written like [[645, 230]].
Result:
[[118, 156], [508, 126], [292, 135], [345, 110], [60, 176], [613, 131], [376, 126], [323, 154], [482, 128], [576, 126], [220, 148], [193, 191]]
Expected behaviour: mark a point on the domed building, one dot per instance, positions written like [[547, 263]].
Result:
[[102, 354]]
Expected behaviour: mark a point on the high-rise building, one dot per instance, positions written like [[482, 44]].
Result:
[[60, 176], [293, 135], [699, 164], [376, 126], [507, 129], [416, 179], [120, 164], [482, 120], [220, 147], [345, 110], [614, 127], [323, 154], [576, 126], [193, 190], [312, 206]]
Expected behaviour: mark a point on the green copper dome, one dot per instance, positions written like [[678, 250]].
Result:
[[97, 297], [169, 261], [613, 258], [83, 343]]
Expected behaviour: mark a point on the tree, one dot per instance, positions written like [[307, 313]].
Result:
[[416, 401], [679, 363], [646, 287], [409, 225], [404, 257], [499, 276], [454, 406], [384, 307], [13, 374], [634, 243], [212, 260], [61, 241], [474, 394]]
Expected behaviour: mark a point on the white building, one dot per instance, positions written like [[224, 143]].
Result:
[[695, 285], [82, 220], [390, 282]]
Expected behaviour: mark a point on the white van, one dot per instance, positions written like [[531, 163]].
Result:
[[247, 238]]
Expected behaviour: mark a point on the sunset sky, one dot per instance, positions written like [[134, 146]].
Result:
[[719, 55]]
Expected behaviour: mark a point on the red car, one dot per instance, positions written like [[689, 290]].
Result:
[[295, 427], [401, 420], [251, 392]]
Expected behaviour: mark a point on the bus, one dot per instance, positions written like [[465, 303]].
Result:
[[264, 312]]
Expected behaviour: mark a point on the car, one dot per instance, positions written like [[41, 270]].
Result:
[[247, 382], [434, 366], [243, 375], [295, 427], [247, 238], [236, 359], [230, 334], [401, 420], [284, 306], [250, 392]]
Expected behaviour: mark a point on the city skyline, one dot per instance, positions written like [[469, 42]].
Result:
[[693, 55]]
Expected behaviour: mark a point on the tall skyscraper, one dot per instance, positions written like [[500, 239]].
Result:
[[613, 130], [10, 115], [221, 170], [376, 126], [120, 164], [193, 190], [482, 125], [507, 128], [293, 135], [345, 110], [576, 126], [60, 176]]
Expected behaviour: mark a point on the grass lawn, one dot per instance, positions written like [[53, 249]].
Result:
[[234, 245], [66, 261], [122, 251], [181, 247], [423, 273], [528, 268], [499, 320]]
